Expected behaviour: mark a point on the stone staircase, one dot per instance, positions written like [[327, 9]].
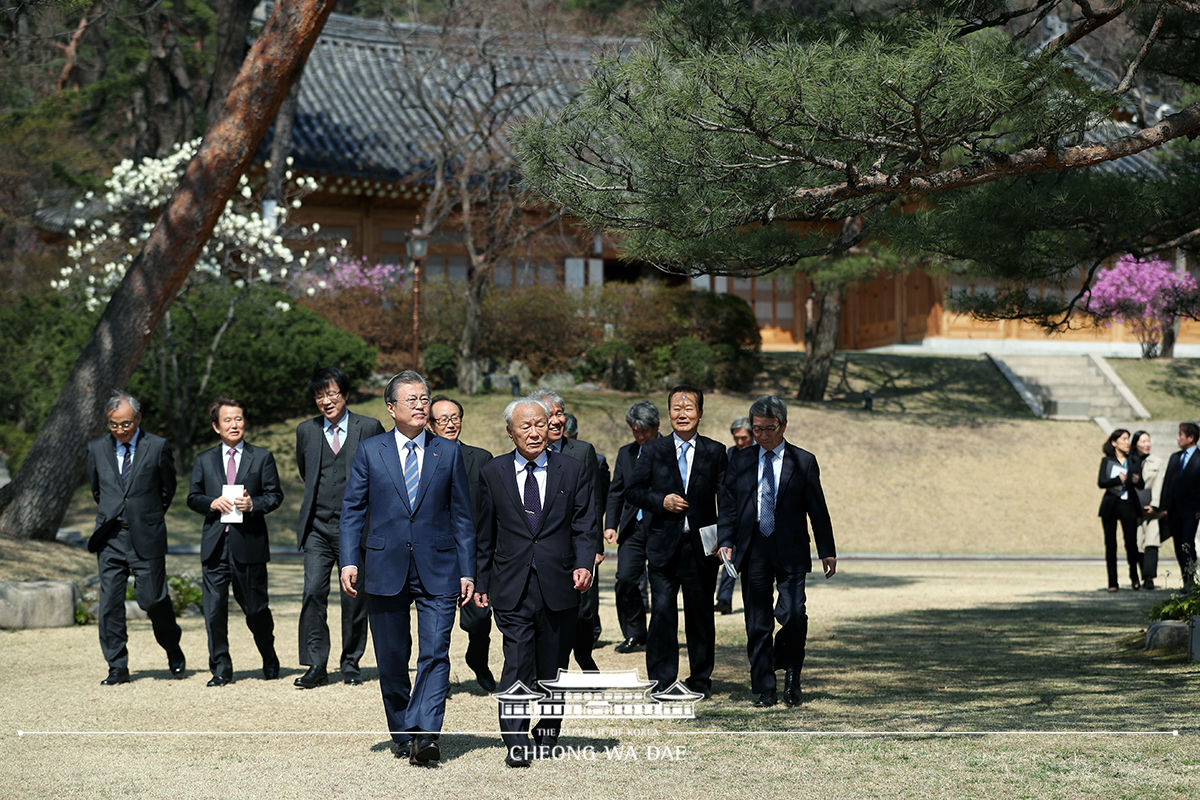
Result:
[[1070, 387]]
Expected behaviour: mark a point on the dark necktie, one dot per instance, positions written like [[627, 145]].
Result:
[[1183, 459], [533, 501], [126, 461], [412, 475], [766, 496]]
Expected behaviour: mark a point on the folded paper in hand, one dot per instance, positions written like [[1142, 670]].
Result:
[[233, 491], [708, 541]]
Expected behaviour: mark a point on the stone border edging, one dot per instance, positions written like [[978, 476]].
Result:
[[1112, 377], [1018, 385]]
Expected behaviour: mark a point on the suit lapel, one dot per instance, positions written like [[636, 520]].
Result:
[[313, 447], [509, 466], [353, 431], [790, 461], [139, 456], [431, 464], [390, 456], [554, 480], [244, 466]]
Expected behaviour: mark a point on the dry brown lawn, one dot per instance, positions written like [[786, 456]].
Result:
[[944, 680]]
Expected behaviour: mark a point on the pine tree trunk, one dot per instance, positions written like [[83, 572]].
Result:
[[820, 346], [33, 505]]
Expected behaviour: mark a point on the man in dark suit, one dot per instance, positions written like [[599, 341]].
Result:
[[739, 429], [419, 549], [583, 452], [235, 552], [325, 448], [1181, 500], [623, 527], [132, 475], [675, 483], [535, 556], [771, 492], [447, 421]]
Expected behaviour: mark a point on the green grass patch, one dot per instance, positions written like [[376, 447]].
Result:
[[1169, 388]]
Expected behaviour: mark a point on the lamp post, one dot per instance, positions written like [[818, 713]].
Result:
[[417, 246]]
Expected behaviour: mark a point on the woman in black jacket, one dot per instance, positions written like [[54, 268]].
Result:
[[1118, 505]]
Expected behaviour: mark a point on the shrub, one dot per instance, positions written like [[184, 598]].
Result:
[[1181, 605], [264, 358], [49, 335], [184, 592], [439, 365], [611, 363], [694, 361]]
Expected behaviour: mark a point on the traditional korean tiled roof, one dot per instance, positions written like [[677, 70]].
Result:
[[357, 115]]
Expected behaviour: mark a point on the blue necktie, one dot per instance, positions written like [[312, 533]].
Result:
[[766, 496], [1182, 460], [683, 475], [412, 475]]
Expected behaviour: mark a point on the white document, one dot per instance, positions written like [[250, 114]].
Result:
[[233, 491], [708, 538]]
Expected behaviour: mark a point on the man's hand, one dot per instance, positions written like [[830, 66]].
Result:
[[221, 504], [583, 580], [675, 504], [481, 600], [830, 566], [726, 553], [244, 504], [610, 535], [349, 578], [599, 557], [466, 591]]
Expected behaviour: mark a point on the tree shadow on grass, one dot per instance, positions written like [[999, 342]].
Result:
[[1179, 381], [1063, 663]]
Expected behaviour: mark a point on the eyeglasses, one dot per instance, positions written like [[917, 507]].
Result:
[[327, 396], [121, 426], [765, 428], [412, 401], [449, 419]]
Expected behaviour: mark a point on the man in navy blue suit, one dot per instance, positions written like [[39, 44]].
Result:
[[419, 548]]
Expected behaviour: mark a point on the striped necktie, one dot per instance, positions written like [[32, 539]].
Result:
[[412, 475]]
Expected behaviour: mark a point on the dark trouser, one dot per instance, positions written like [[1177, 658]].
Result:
[[761, 575], [320, 557], [1127, 516], [585, 626], [117, 560], [631, 584], [537, 644], [1150, 563], [1183, 531], [477, 622], [420, 705], [249, 583], [725, 588], [697, 576]]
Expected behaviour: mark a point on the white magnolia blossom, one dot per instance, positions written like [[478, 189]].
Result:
[[243, 242]]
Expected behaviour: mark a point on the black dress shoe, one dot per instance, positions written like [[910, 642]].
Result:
[[403, 749], [485, 678], [766, 699], [723, 608], [116, 675], [424, 750], [1149, 585], [315, 676], [219, 680], [177, 663], [517, 757], [271, 669], [349, 680], [630, 645], [791, 689]]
